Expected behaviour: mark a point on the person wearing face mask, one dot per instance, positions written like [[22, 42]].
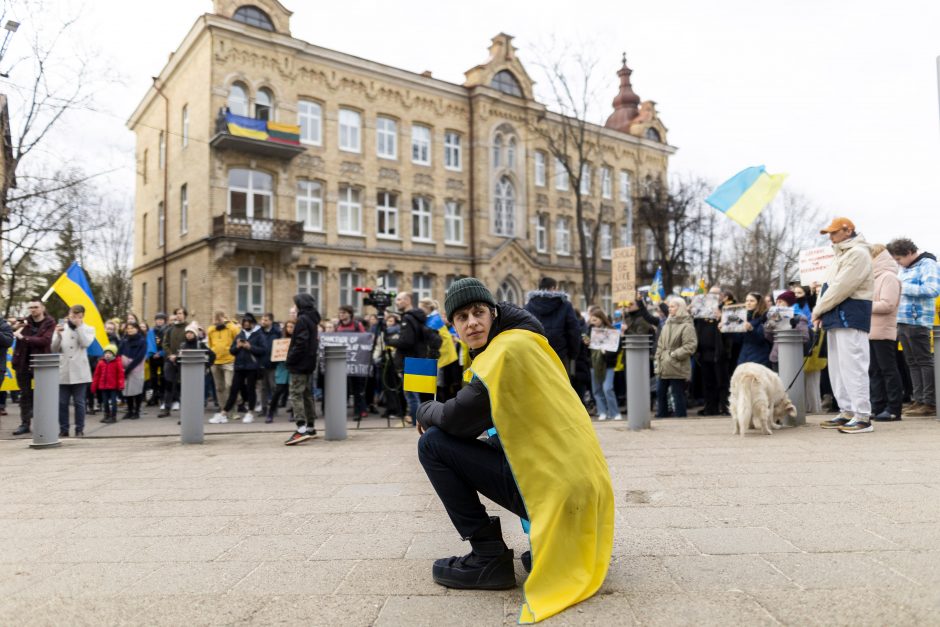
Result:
[[539, 432]]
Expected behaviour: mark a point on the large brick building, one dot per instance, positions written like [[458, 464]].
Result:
[[396, 176]]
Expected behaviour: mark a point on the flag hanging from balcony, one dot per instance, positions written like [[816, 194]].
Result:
[[262, 130], [744, 195], [72, 287]]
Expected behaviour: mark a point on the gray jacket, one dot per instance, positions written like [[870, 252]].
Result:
[[72, 344]]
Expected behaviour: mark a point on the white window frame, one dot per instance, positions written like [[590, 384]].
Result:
[[539, 168], [625, 186], [511, 153], [310, 205], [349, 280], [585, 178], [624, 235], [269, 105], [452, 151], [453, 222], [386, 205], [497, 158], [185, 126], [162, 151], [588, 239], [649, 243], [248, 278], [388, 280], [350, 130], [310, 120], [421, 144], [607, 301], [161, 225], [541, 233], [607, 240], [184, 209], [310, 281], [349, 211], [422, 286], [251, 194], [184, 288], [386, 138], [234, 104], [561, 176], [562, 236], [421, 216], [606, 183]]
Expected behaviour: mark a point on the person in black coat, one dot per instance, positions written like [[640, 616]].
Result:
[[557, 316], [301, 363], [248, 348]]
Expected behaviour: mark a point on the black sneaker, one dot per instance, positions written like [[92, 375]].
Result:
[[526, 559], [886, 416], [163, 413], [857, 426], [297, 437], [21, 430], [63, 433]]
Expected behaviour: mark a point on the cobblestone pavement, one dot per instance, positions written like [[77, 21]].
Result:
[[802, 527]]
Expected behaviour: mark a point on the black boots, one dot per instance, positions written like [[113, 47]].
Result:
[[487, 567]]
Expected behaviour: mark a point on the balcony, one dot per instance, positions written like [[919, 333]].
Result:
[[260, 137], [232, 234]]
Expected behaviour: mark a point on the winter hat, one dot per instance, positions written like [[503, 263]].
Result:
[[161, 316], [111, 348], [463, 292], [250, 317], [192, 326], [788, 297]]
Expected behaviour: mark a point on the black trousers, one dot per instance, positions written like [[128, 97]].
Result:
[[460, 470], [243, 382], [885, 386], [24, 379]]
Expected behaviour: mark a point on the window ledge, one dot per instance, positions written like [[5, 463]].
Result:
[[351, 234], [388, 238]]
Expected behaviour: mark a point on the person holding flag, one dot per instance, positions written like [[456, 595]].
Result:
[[542, 461]]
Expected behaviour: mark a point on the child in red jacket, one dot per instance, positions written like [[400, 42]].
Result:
[[109, 380]]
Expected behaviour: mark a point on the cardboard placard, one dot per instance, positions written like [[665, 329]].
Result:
[[814, 263], [279, 349], [605, 339], [623, 275]]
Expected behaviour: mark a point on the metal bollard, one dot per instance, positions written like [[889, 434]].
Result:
[[192, 395], [335, 392], [45, 424], [636, 361], [790, 362], [936, 367]]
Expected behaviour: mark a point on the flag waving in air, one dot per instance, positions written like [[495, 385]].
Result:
[[744, 195], [72, 287]]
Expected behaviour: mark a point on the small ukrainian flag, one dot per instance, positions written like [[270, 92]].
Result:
[[420, 375]]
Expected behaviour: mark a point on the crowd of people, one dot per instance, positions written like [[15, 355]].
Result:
[[866, 332]]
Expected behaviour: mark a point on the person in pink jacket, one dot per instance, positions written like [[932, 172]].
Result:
[[883, 375]]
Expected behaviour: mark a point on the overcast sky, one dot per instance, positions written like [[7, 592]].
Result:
[[841, 95]]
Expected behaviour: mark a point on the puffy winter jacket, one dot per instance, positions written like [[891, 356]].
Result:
[[675, 347], [221, 339], [304, 343], [920, 285], [558, 319], [845, 301], [249, 358], [885, 298], [109, 375], [754, 345]]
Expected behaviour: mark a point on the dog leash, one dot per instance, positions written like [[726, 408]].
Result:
[[803, 365]]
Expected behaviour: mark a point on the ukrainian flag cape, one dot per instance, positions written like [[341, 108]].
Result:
[[558, 465]]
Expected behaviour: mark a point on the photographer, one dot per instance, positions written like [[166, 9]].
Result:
[[71, 339], [33, 337]]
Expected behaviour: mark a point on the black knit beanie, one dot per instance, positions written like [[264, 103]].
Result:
[[463, 292]]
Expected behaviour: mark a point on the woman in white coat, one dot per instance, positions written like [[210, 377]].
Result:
[[71, 340]]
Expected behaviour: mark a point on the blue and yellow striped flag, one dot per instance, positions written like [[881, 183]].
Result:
[[72, 287], [420, 375], [744, 195]]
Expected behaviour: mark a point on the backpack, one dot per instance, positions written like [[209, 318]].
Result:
[[432, 340]]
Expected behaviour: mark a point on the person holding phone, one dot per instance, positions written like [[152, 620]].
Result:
[[71, 340]]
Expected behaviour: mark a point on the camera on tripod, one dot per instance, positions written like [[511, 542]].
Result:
[[377, 297]]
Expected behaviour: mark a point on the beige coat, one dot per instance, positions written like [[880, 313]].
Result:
[[849, 276], [887, 295], [675, 347], [72, 344]]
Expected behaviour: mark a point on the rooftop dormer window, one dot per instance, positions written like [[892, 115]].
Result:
[[253, 16], [505, 82]]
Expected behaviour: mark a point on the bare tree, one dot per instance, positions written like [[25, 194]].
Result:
[[574, 142], [113, 248]]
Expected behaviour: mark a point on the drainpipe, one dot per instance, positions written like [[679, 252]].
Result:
[[166, 163], [471, 209]]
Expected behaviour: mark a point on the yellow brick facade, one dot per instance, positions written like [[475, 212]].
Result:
[[220, 51]]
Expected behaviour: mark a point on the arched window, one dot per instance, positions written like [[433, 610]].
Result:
[[511, 153], [253, 16], [505, 82], [250, 194], [505, 207], [238, 99], [264, 105], [507, 293], [652, 133], [497, 151]]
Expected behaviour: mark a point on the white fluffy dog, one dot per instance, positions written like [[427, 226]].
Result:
[[758, 400]]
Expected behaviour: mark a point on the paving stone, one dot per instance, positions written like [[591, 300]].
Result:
[[319, 610], [432, 611], [364, 546], [823, 608], [195, 578], [737, 540], [836, 571], [274, 578], [699, 609], [637, 573], [709, 573], [391, 577]]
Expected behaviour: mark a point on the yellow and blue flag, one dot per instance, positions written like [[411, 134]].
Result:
[[657, 293], [420, 375], [72, 287], [744, 195]]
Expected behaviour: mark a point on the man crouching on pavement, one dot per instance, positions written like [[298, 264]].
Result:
[[542, 461]]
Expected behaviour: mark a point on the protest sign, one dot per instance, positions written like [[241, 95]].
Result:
[[279, 349], [358, 351], [733, 319], [623, 275], [814, 263], [704, 306], [605, 339], [779, 317]]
